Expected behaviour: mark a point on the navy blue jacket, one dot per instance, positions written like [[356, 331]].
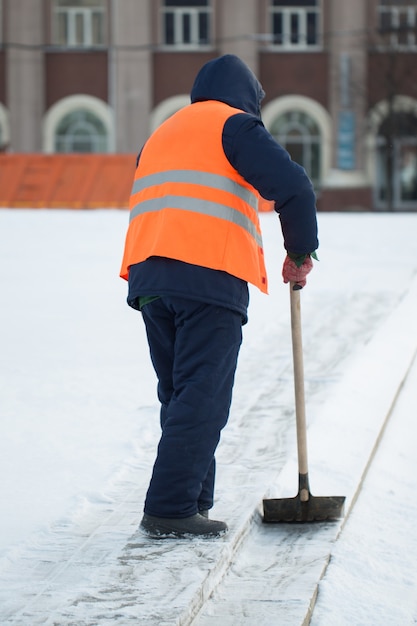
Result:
[[261, 161]]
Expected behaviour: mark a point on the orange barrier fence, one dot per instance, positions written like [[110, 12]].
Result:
[[70, 181], [74, 181]]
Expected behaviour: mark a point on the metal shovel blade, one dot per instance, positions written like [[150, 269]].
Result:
[[315, 509], [304, 507]]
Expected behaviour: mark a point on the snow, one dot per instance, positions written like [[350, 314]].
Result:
[[372, 575], [79, 427]]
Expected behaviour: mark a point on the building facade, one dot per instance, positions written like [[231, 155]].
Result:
[[340, 80]]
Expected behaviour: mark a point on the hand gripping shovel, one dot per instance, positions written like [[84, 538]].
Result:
[[304, 507]]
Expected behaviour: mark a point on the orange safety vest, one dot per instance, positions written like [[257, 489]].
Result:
[[188, 202]]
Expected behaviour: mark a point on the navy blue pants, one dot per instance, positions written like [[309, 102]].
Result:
[[194, 349]]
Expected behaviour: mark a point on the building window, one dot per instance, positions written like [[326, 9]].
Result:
[[186, 23], [4, 129], [300, 135], [295, 23], [79, 23], [398, 21], [78, 123], [81, 131], [396, 175]]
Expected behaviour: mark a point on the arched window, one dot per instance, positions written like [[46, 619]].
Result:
[[300, 135], [81, 131], [79, 123], [304, 128]]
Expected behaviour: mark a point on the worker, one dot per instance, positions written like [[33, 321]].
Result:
[[192, 246]]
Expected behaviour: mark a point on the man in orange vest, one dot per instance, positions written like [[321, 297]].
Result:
[[193, 244]]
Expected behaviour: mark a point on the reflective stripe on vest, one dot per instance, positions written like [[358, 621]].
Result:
[[197, 178], [205, 207]]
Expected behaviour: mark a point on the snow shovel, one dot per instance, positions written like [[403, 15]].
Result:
[[304, 507]]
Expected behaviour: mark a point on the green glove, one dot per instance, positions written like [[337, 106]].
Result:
[[300, 258]]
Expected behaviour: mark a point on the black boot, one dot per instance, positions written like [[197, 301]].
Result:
[[195, 526]]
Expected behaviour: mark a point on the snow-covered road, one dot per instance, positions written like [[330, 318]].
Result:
[[79, 428]]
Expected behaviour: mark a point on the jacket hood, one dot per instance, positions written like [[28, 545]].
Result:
[[228, 79]]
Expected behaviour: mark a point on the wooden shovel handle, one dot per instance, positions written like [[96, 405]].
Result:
[[297, 351]]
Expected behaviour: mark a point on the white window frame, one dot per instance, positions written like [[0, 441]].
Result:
[[302, 13], [313, 109], [194, 14], [72, 103], [305, 140], [71, 14], [96, 143], [395, 12]]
